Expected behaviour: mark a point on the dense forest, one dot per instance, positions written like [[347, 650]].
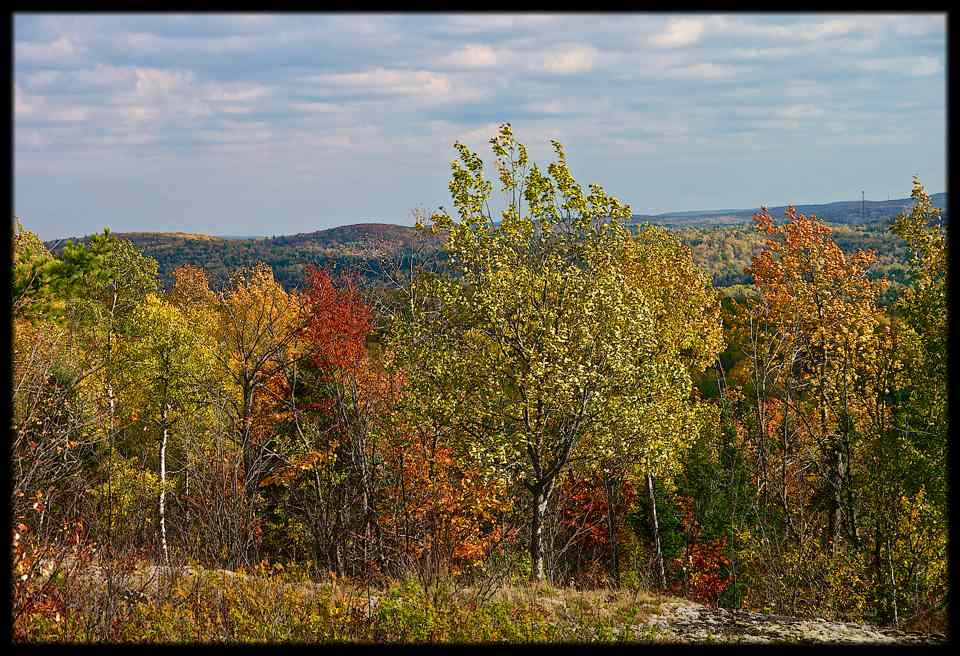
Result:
[[545, 397], [723, 251]]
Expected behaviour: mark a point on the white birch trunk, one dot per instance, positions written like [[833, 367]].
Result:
[[163, 488], [656, 530]]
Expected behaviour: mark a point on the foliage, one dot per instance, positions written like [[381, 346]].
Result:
[[551, 395]]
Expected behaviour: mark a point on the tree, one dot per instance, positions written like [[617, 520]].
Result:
[[32, 296], [823, 314], [257, 329], [923, 307], [329, 403], [166, 361], [911, 533], [688, 337], [538, 341]]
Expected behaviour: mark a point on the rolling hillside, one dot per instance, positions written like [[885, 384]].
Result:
[[721, 240], [847, 212], [287, 255]]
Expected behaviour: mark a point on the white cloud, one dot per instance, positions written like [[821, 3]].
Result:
[[21, 102], [547, 107], [235, 92], [153, 82], [47, 53], [920, 25], [766, 53], [833, 28], [919, 66], [702, 71], [37, 108], [498, 23], [473, 55], [161, 95], [416, 84], [799, 112], [804, 89], [41, 79], [680, 32], [104, 76], [569, 59], [314, 107], [31, 138], [824, 32]]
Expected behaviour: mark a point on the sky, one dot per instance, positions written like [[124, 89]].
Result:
[[270, 124]]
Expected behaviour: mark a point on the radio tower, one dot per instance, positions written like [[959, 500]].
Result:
[[861, 205]]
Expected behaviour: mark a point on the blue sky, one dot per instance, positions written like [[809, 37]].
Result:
[[275, 124]]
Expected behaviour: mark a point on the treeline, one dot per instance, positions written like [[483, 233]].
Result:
[[357, 248], [560, 398], [725, 252]]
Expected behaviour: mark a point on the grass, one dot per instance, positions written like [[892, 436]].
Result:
[[201, 606]]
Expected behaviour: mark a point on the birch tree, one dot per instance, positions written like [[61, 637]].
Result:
[[166, 364]]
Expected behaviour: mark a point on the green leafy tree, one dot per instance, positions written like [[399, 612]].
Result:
[[923, 306], [538, 344], [31, 294], [688, 335]]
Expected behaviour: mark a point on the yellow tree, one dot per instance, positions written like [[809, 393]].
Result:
[[167, 368], [538, 342], [257, 327], [820, 318], [685, 309]]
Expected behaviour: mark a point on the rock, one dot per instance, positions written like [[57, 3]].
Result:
[[696, 623]]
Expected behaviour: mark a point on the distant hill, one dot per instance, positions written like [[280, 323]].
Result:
[[359, 235], [287, 255], [722, 242], [841, 212]]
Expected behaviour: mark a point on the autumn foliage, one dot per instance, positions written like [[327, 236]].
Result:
[[564, 398]]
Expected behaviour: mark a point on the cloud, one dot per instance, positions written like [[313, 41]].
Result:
[[553, 107], [702, 71], [680, 32], [21, 102], [36, 109], [314, 107], [799, 112], [152, 82], [569, 59], [919, 66], [57, 52], [794, 89], [498, 23], [233, 93], [103, 95], [418, 85], [473, 55], [43, 78], [913, 26]]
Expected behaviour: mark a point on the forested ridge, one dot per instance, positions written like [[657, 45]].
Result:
[[316, 438], [724, 251]]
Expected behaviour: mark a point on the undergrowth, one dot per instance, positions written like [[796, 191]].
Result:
[[276, 606]]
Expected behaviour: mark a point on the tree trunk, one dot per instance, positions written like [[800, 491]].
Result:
[[540, 497], [656, 530], [611, 484], [836, 500], [893, 584], [163, 485]]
